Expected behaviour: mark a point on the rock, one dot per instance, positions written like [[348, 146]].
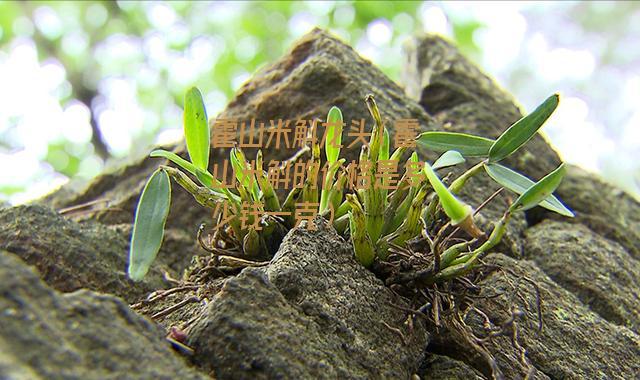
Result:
[[321, 71], [438, 367], [599, 272], [575, 342], [314, 312], [70, 256], [82, 335], [605, 209]]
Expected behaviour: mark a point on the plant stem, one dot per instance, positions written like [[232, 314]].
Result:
[[203, 195], [451, 253], [459, 183], [469, 261]]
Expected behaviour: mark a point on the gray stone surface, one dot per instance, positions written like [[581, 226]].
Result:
[[600, 272], [313, 313], [81, 335], [438, 367], [605, 209], [575, 342], [70, 256]]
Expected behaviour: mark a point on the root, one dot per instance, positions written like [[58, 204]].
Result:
[[172, 308], [160, 294], [178, 308], [449, 307], [397, 331]]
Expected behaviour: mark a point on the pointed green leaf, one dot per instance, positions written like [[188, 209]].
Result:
[[148, 227], [448, 158], [334, 134], [539, 191], [466, 145], [239, 165], [523, 130], [397, 154], [244, 172], [206, 178], [518, 183], [384, 149], [377, 132], [196, 128], [455, 209]]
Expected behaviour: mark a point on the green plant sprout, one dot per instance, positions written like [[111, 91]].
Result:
[[376, 221]]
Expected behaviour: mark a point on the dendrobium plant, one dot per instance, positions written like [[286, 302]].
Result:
[[373, 219]]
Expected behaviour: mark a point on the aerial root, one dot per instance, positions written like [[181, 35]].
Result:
[[447, 308], [173, 308]]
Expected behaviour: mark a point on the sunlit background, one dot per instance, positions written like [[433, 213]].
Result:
[[87, 85]]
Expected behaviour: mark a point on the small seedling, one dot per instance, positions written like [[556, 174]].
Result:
[[376, 222]]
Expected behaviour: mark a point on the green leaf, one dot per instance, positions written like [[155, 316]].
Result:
[[397, 154], [148, 227], [196, 128], [243, 172], [239, 166], [448, 158], [455, 209], [384, 149], [466, 145], [414, 157], [539, 191], [518, 183], [334, 134], [523, 130], [205, 178]]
